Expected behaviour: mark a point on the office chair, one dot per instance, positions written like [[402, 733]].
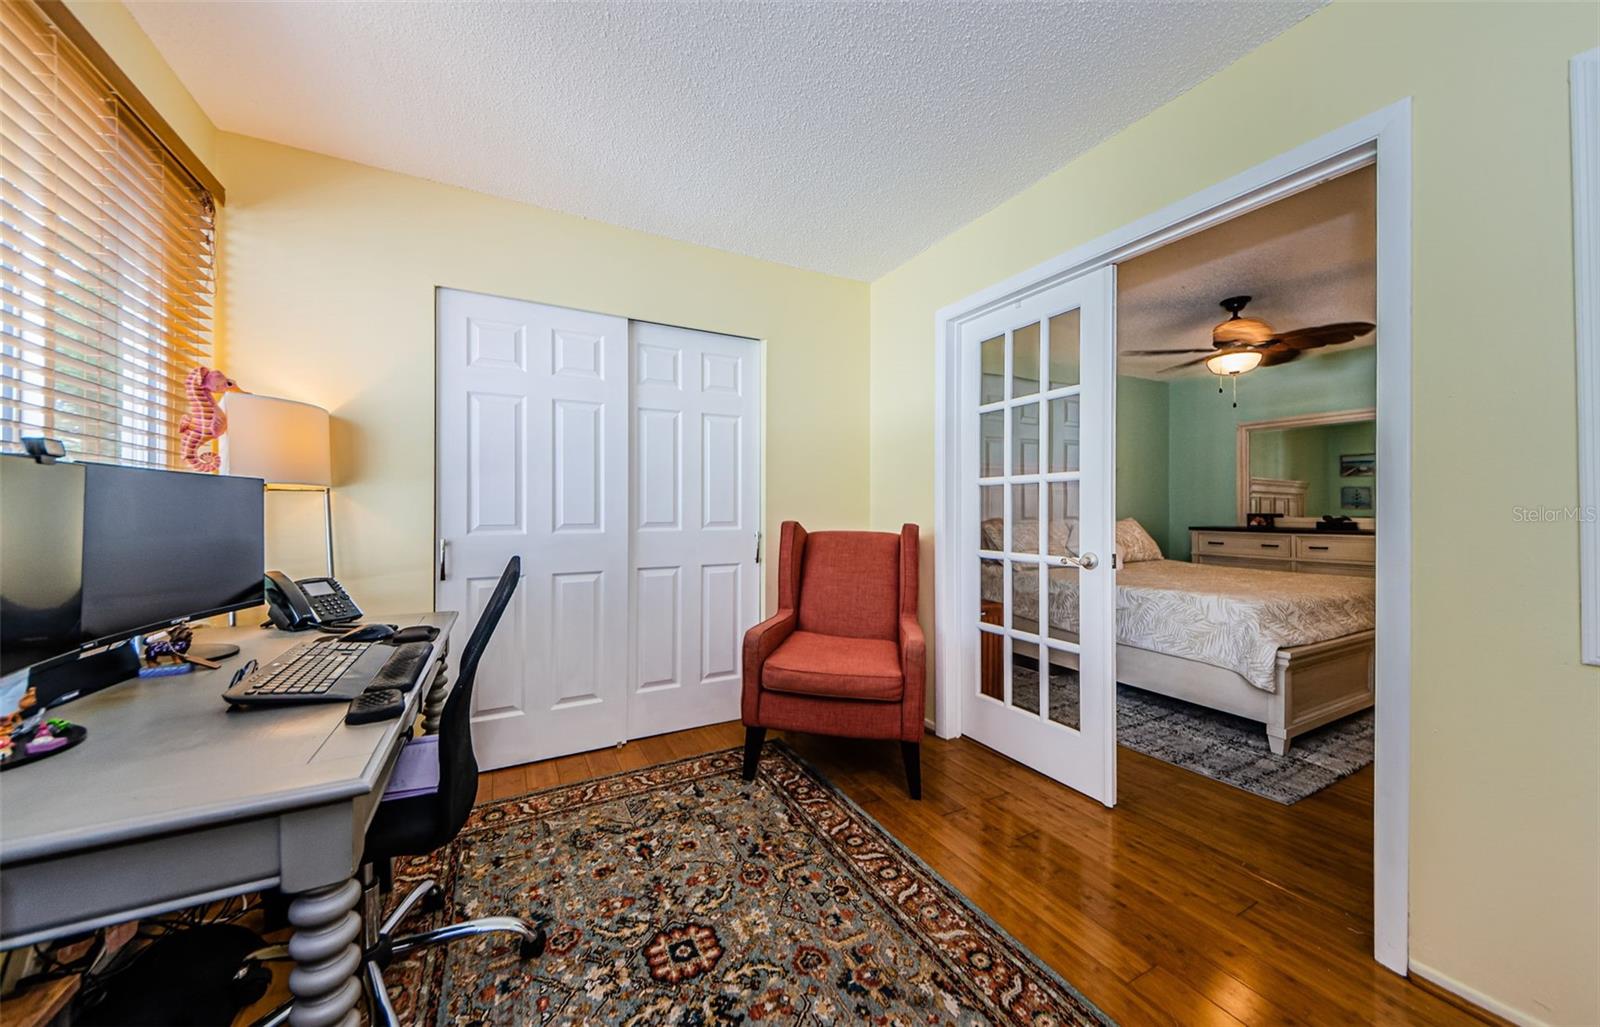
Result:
[[421, 824]]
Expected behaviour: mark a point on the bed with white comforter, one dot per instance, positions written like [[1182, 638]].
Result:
[[1236, 618]]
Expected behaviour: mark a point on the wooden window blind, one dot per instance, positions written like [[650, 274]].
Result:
[[106, 258]]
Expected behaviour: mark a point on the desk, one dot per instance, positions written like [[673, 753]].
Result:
[[175, 800]]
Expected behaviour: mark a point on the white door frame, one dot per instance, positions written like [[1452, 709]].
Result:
[[1384, 136]]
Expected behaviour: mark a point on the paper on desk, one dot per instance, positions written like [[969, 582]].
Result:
[[416, 772]]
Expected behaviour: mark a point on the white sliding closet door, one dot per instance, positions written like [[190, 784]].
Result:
[[533, 461], [696, 518]]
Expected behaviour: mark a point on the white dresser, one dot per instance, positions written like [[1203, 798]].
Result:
[[1282, 549]]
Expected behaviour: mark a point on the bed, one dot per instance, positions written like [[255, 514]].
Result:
[[1293, 651]]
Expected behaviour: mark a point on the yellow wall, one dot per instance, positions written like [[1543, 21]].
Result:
[[1505, 759], [115, 29], [327, 296]]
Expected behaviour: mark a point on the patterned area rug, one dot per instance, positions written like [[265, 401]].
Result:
[[1229, 749], [679, 895]]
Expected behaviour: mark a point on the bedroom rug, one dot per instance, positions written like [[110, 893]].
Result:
[[679, 895], [1229, 749]]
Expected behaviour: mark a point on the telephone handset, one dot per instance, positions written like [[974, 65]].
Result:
[[307, 603]]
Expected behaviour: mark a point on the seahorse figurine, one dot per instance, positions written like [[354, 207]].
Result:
[[205, 420]]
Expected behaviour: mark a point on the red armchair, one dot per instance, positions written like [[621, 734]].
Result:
[[844, 654]]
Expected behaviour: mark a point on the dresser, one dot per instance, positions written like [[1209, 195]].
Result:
[[1285, 549]]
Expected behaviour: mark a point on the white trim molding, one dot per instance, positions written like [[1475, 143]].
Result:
[[1384, 137], [1474, 996], [1586, 297]]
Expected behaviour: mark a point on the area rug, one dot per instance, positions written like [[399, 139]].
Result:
[[1230, 749], [679, 895]]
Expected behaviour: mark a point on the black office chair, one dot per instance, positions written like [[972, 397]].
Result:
[[418, 825]]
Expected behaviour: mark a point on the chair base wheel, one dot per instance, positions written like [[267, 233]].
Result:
[[433, 902], [532, 948]]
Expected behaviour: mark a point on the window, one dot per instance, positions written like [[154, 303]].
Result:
[[106, 255]]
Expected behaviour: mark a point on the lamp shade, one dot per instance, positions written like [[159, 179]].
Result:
[[1234, 362], [278, 440]]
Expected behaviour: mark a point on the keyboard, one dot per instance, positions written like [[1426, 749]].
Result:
[[322, 671]]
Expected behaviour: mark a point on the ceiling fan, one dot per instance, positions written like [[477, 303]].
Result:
[[1242, 344]]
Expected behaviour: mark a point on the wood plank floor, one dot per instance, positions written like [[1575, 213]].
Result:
[[1190, 903]]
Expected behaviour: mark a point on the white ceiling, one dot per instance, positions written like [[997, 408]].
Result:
[[1306, 260], [841, 137]]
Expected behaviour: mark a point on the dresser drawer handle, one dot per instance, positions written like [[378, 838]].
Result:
[[1214, 542], [1320, 549], [1270, 545]]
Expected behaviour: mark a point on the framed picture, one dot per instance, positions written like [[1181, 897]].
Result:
[[1357, 465], [1355, 497]]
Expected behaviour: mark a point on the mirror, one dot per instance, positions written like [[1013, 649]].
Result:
[[1309, 467]]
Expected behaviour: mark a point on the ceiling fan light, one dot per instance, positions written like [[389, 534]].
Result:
[[1237, 362]]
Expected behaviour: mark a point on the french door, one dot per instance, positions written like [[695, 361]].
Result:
[[624, 474], [1038, 386]]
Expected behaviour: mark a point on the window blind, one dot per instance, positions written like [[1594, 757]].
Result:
[[106, 259]]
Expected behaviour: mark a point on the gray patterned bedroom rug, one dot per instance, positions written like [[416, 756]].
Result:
[[1223, 747]]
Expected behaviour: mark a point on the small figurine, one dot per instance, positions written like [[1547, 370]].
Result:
[[169, 644], [205, 420], [48, 737]]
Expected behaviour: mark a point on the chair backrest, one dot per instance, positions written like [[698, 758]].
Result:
[[850, 584], [458, 767]]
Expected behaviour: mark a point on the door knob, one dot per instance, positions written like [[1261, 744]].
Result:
[[1086, 561]]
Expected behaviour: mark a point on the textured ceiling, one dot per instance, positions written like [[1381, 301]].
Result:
[[841, 137], [1306, 260]]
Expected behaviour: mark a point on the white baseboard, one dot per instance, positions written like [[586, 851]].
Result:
[[927, 723], [1474, 996]]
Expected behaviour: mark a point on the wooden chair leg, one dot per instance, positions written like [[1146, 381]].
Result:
[[911, 752], [753, 737]]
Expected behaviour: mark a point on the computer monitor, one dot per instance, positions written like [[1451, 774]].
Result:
[[95, 553]]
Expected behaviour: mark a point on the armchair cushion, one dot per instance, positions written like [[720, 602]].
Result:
[[851, 584], [834, 666]]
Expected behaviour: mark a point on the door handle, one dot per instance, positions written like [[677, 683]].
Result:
[[444, 551], [1083, 561]]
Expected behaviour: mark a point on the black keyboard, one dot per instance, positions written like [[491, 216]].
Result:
[[326, 671]]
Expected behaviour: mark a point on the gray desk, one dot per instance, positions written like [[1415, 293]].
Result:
[[174, 801]]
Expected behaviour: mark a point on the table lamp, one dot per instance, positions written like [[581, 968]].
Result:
[[283, 442]]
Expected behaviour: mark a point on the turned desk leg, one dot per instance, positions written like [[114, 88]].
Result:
[[326, 956], [433, 702]]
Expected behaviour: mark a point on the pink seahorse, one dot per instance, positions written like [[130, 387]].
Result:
[[205, 420]]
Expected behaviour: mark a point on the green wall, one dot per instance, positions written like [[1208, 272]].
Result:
[[1202, 480], [1142, 454]]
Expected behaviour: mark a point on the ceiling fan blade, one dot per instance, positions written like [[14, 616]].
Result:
[[1272, 356], [1162, 352], [1186, 363], [1317, 336]]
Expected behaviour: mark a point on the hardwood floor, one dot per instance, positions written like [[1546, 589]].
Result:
[[1190, 903]]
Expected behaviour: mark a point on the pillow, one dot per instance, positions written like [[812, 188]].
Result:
[[1025, 535], [1134, 544]]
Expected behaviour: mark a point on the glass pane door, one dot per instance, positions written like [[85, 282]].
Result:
[[1040, 377]]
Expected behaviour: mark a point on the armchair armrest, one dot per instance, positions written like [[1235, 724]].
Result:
[[759, 642], [913, 661]]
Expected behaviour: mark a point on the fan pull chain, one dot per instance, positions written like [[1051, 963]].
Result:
[[1235, 390]]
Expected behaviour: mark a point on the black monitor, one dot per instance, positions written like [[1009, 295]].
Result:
[[95, 553]]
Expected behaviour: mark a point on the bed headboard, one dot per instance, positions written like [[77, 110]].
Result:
[[1283, 496]]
